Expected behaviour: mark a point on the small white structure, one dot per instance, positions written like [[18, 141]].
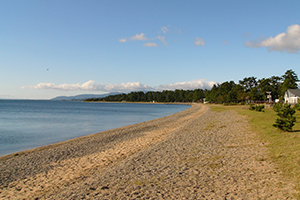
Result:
[[269, 96], [292, 96]]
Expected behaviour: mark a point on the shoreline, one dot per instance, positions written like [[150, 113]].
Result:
[[65, 162], [89, 134], [194, 154], [144, 102]]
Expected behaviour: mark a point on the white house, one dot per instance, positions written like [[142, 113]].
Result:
[[292, 96]]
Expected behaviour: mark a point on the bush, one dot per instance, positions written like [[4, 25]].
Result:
[[297, 106], [277, 107], [286, 120], [252, 107], [259, 108]]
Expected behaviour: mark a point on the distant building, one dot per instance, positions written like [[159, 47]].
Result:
[[292, 96]]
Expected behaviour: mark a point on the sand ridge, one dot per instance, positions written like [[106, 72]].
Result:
[[195, 154]]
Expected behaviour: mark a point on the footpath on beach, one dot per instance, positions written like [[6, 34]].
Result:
[[194, 154]]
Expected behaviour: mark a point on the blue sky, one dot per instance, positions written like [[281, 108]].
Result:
[[52, 48]]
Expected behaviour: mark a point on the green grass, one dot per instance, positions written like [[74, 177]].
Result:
[[284, 147]]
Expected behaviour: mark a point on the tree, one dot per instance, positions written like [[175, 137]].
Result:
[[198, 95], [189, 96], [275, 82], [264, 85], [254, 94], [286, 119], [231, 97], [290, 80], [179, 96], [225, 92], [149, 96], [248, 83], [212, 95], [169, 96]]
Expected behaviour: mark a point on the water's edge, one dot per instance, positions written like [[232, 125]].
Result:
[[84, 135]]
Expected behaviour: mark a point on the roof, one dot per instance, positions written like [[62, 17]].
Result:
[[296, 92]]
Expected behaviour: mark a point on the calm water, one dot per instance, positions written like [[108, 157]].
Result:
[[26, 124]]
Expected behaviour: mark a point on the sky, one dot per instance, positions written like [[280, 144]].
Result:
[[52, 48]]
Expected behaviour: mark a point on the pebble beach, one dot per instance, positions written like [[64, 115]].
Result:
[[194, 154]]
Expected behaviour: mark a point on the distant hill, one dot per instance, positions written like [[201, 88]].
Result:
[[82, 97]]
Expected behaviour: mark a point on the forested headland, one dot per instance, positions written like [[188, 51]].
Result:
[[247, 89]]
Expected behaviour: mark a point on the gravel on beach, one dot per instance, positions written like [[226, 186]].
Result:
[[194, 154]]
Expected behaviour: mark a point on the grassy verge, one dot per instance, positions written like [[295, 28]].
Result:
[[284, 147]]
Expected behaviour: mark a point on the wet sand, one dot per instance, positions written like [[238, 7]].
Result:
[[195, 154]]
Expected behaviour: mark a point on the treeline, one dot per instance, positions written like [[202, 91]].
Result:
[[248, 89], [164, 96]]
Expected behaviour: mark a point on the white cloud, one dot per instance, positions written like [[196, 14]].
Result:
[[123, 87], [142, 37], [288, 41], [199, 42], [150, 44], [162, 39], [164, 29], [126, 87], [91, 86], [123, 40], [139, 37], [191, 85]]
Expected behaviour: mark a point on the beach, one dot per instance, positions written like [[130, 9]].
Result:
[[194, 154]]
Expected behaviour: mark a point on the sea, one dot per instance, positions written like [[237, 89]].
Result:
[[27, 124]]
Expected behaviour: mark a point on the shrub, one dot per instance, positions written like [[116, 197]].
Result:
[[252, 107], [259, 108], [297, 106], [286, 119], [277, 107]]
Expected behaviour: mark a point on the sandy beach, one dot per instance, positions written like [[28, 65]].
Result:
[[194, 154]]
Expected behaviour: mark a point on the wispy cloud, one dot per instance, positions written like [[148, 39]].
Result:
[[123, 87], [288, 41], [142, 37], [150, 44], [164, 29], [199, 42], [123, 40], [139, 37], [162, 39]]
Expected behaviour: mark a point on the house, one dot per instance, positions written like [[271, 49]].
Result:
[[292, 96]]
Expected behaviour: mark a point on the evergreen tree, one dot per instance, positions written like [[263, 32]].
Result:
[[248, 83], [264, 86], [275, 82], [286, 119], [290, 80]]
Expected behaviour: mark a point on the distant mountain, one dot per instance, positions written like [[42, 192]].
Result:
[[82, 97]]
